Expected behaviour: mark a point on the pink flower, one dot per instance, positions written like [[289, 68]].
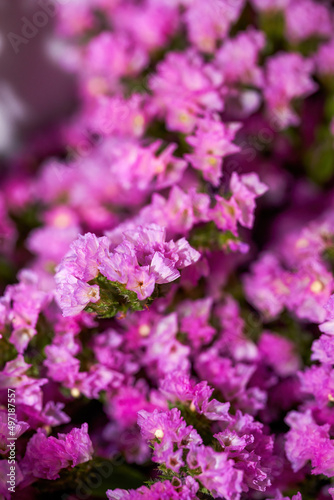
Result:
[[163, 269], [168, 432], [279, 353], [141, 282], [240, 207], [61, 364], [183, 87], [238, 57], [155, 23], [225, 214], [324, 58], [308, 441], [307, 18], [46, 456], [211, 143], [73, 295], [194, 317], [267, 287], [217, 474], [210, 21], [86, 253], [28, 390], [164, 353], [288, 76], [6, 433], [185, 490], [246, 188]]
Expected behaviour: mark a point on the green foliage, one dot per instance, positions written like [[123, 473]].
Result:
[[272, 23], [115, 298], [209, 237], [34, 355], [7, 350], [320, 159], [199, 422], [92, 478]]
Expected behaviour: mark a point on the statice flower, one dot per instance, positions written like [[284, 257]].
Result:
[[74, 295], [195, 321], [232, 339], [4, 470], [238, 58], [180, 388], [52, 241], [155, 23], [288, 76], [322, 349], [85, 256], [6, 433], [308, 244], [208, 22], [304, 292], [183, 88], [166, 429], [318, 448], [163, 340], [179, 213], [62, 365], [245, 189], [141, 261], [318, 382], [217, 472], [111, 55], [324, 59], [117, 116], [240, 207], [28, 392], [213, 470], [178, 490], [305, 19], [76, 17], [279, 352], [46, 456], [311, 287], [24, 302], [232, 378], [211, 142], [239, 439]]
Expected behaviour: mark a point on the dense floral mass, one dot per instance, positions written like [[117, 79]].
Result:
[[167, 315]]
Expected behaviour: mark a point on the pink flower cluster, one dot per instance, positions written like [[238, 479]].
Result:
[[142, 260]]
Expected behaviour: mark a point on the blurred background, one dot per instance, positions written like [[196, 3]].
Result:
[[35, 92]]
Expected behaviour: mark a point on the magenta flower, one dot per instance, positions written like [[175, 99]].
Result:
[[279, 92], [46, 456], [211, 143], [183, 87], [217, 472], [305, 19], [238, 58], [319, 448]]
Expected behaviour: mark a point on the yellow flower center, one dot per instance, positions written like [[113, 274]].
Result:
[[75, 393], [144, 330], [317, 286], [159, 433]]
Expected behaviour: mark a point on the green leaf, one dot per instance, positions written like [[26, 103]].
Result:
[[209, 237], [115, 298]]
